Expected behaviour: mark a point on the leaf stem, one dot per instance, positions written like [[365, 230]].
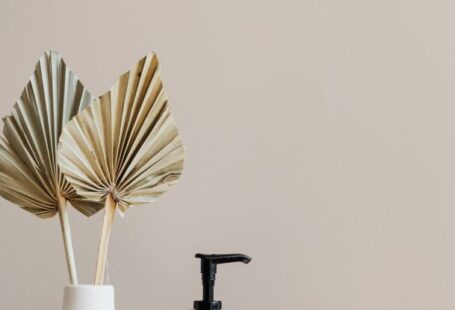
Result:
[[109, 213], [67, 241]]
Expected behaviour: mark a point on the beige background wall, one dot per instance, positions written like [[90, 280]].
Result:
[[320, 138]]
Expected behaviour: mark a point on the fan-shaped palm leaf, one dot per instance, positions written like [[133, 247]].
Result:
[[125, 148], [29, 174]]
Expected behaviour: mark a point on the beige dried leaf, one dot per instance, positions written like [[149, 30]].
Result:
[[126, 144], [124, 149], [29, 174]]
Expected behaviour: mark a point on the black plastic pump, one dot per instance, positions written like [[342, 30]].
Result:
[[208, 270]]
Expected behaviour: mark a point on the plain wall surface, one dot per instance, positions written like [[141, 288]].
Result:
[[320, 140]]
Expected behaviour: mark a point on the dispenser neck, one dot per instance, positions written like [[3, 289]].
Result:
[[208, 270]]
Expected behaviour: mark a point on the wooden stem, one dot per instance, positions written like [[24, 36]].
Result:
[[67, 241], [109, 212]]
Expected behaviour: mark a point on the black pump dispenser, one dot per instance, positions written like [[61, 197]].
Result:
[[208, 270]]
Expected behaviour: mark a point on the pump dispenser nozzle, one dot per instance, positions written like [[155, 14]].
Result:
[[208, 270]]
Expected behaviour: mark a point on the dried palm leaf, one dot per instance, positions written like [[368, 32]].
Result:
[[29, 174], [125, 148]]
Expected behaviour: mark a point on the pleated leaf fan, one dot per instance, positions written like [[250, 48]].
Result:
[[29, 173], [125, 148]]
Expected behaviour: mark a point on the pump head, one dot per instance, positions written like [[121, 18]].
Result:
[[208, 270]]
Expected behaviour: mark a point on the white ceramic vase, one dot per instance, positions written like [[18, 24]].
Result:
[[88, 297]]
